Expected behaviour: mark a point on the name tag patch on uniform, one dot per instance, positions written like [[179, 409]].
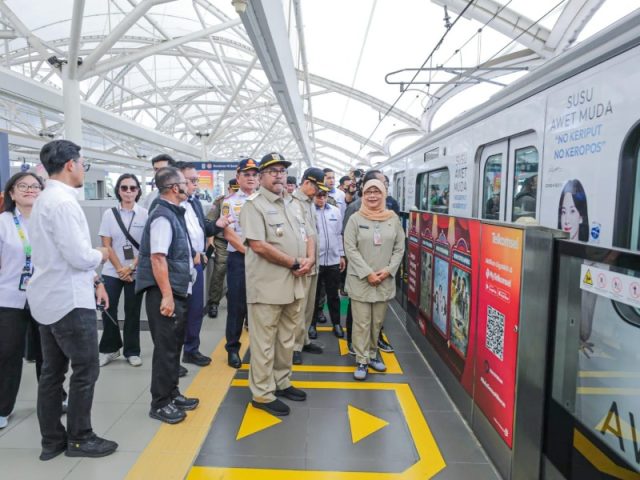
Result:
[[272, 212], [366, 227]]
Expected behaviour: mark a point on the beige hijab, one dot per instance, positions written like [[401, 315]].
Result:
[[379, 212]]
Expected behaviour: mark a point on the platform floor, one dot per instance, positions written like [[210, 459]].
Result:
[[396, 425]]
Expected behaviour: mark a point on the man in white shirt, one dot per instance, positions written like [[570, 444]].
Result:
[[335, 193], [159, 161], [62, 297]]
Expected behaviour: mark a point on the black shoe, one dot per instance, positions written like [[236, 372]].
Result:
[[182, 372], [313, 333], [168, 414], [313, 348], [49, 453], [277, 407], [320, 318], [337, 331], [292, 393], [196, 358], [384, 346], [94, 447], [213, 311], [297, 358], [233, 359], [185, 403]]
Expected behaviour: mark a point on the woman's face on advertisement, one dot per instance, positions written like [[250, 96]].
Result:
[[570, 218]]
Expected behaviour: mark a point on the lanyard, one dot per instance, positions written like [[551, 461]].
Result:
[[25, 243]]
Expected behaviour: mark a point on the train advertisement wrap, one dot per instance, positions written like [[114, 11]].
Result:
[[449, 257], [413, 267], [498, 319]]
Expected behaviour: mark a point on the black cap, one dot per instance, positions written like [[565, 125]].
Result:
[[316, 176], [233, 185], [292, 180], [273, 158], [246, 164]]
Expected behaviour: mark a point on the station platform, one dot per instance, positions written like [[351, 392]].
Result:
[[396, 425]]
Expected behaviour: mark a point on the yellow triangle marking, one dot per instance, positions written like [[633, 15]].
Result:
[[344, 349], [254, 421], [587, 278], [363, 424]]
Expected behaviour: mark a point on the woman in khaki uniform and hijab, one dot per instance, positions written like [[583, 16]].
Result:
[[374, 246]]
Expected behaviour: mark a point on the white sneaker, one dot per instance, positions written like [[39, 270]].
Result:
[[4, 421], [106, 358], [134, 361]]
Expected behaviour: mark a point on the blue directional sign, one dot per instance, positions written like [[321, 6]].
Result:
[[215, 165]]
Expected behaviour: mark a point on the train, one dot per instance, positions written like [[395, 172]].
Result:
[[559, 147]]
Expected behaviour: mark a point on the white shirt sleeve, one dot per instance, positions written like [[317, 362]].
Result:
[[105, 224], [160, 236], [70, 234]]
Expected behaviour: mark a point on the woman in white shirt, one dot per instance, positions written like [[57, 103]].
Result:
[[123, 241], [16, 269]]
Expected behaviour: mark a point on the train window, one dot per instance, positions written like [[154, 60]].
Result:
[[433, 191], [525, 183], [491, 187], [399, 190]]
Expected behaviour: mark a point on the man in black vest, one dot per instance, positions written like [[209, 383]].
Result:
[[166, 272]]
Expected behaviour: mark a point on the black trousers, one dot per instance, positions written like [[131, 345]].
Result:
[[111, 340], [13, 328], [167, 334], [328, 281], [72, 339], [236, 301]]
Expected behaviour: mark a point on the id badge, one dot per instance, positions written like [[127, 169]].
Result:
[[128, 252], [24, 281], [303, 232], [377, 238]]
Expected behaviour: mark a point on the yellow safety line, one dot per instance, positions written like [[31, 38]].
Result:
[[607, 391], [173, 449], [599, 460], [430, 463], [608, 374]]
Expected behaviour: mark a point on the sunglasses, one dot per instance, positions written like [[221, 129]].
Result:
[[129, 188]]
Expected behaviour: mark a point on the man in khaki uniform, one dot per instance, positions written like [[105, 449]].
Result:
[[302, 201], [280, 253]]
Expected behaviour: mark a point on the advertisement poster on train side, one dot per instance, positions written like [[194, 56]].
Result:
[[413, 262], [449, 258], [587, 123], [497, 322]]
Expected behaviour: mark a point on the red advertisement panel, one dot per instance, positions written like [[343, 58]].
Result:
[[498, 318], [448, 286], [413, 267]]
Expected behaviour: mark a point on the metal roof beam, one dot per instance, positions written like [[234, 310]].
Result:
[[504, 20], [265, 25], [74, 38], [22, 29], [574, 17]]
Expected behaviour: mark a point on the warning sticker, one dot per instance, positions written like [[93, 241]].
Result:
[[613, 285]]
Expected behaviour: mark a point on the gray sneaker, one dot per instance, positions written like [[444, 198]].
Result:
[[378, 365], [361, 372]]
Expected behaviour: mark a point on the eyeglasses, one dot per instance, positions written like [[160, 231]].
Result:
[[373, 193], [85, 166], [193, 180], [23, 187], [274, 172], [129, 188], [322, 194]]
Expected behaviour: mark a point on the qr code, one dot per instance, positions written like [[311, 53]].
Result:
[[495, 332]]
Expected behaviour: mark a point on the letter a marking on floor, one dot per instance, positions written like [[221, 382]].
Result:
[[254, 421], [363, 424]]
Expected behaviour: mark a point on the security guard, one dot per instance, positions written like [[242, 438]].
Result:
[[280, 253], [218, 267], [302, 201], [247, 177]]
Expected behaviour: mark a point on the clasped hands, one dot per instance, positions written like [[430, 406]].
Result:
[[306, 264], [376, 278]]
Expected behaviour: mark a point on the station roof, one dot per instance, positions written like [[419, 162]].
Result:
[[334, 82]]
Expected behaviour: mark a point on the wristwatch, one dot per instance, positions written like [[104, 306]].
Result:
[[296, 264], [98, 281]]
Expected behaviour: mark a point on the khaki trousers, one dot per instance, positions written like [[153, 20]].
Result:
[[367, 322], [217, 270], [302, 331], [271, 335]]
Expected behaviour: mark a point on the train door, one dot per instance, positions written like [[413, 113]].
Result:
[[399, 180], [493, 170], [509, 179]]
